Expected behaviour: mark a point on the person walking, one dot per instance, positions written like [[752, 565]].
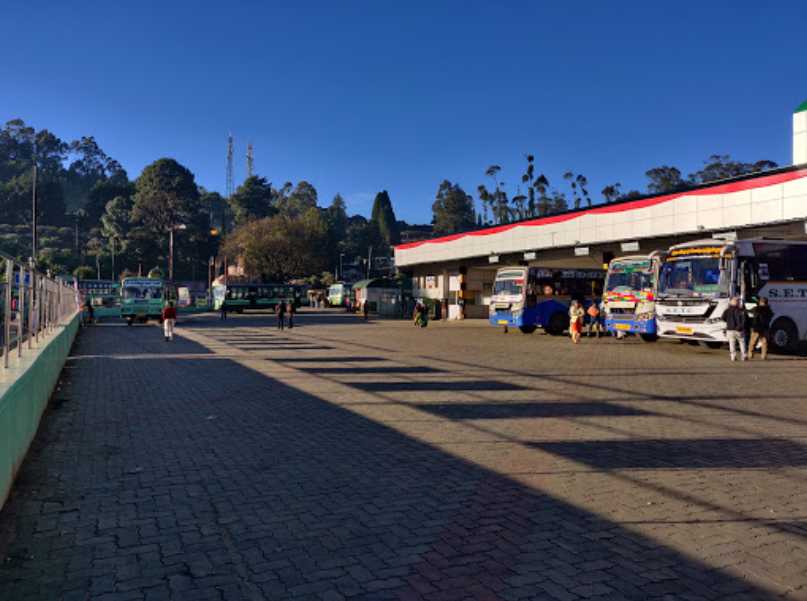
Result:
[[90, 319], [290, 310], [761, 318], [281, 315], [365, 309], [576, 314], [169, 320], [734, 317]]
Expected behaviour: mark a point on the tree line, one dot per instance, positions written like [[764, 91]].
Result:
[[93, 220], [454, 210]]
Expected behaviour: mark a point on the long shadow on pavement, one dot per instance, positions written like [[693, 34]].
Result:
[[201, 478]]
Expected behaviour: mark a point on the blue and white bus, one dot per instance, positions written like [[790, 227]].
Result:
[[537, 297]]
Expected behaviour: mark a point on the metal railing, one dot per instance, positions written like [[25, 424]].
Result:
[[31, 305]]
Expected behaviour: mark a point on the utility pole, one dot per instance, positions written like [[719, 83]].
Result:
[[230, 188], [171, 231], [33, 214], [250, 161]]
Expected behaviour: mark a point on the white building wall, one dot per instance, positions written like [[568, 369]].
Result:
[[747, 203]]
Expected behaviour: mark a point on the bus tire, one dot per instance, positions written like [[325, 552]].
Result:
[[784, 336], [527, 329], [557, 324], [648, 337]]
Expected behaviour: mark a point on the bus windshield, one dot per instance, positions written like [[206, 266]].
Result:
[[139, 292], [511, 287], [693, 277], [628, 276]]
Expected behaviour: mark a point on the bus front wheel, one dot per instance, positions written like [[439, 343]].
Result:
[[557, 324], [527, 329], [784, 336]]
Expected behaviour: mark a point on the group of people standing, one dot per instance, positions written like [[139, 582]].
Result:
[[739, 323], [577, 315]]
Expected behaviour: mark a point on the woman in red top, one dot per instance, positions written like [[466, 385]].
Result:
[[169, 320]]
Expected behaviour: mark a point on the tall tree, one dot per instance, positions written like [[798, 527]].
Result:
[[544, 202], [165, 196], [611, 192], [383, 216], [722, 166], [527, 178], [664, 179], [252, 200], [295, 202], [452, 210], [569, 177]]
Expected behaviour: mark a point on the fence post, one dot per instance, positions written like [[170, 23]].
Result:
[[20, 309], [31, 301], [7, 312]]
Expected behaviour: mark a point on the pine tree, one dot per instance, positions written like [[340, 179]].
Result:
[[383, 216]]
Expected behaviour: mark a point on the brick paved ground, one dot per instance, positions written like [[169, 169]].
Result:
[[345, 460]]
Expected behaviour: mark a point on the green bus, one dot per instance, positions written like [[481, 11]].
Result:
[[144, 298], [339, 294], [240, 297]]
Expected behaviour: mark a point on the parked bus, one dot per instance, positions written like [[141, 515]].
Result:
[[102, 293], [240, 297], [339, 294], [535, 297], [144, 298], [629, 297], [696, 280]]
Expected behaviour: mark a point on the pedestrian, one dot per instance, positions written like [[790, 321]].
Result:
[[90, 311], [365, 309], [169, 320], [576, 314], [593, 320], [290, 310], [734, 317], [761, 318], [281, 315]]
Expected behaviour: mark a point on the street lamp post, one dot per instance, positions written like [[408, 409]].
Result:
[[171, 230]]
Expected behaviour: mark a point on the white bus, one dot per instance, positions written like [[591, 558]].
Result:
[[696, 280]]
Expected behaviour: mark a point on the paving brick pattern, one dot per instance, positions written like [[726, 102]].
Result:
[[353, 460]]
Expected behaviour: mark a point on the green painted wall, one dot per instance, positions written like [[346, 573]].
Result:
[[24, 401]]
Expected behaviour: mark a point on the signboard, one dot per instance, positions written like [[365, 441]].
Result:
[[493, 259], [529, 256], [431, 281], [581, 251], [454, 283], [629, 246]]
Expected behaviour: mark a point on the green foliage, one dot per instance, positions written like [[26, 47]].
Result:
[[453, 209], [718, 167], [252, 200], [295, 202], [84, 272], [281, 247], [383, 216], [165, 196], [664, 179]]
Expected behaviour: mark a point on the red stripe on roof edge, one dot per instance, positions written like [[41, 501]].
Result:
[[740, 186]]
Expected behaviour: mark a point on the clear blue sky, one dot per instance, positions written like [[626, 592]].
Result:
[[362, 96]]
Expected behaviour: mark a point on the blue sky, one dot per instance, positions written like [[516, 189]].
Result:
[[356, 97]]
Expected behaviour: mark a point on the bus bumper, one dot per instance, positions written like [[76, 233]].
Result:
[[631, 326], [715, 332], [505, 318]]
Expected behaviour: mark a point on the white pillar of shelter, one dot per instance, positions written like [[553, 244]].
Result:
[[800, 135]]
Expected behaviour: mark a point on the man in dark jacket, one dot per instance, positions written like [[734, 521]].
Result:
[[734, 317], [760, 326]]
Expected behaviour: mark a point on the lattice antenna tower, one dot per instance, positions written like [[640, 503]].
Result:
[[250, 161], [230, 188]]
